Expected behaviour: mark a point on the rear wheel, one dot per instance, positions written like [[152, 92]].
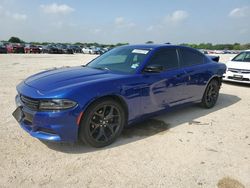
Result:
[[102, 123], [211, 94]]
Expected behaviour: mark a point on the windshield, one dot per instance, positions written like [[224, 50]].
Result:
[[124, 59], [242, 57]]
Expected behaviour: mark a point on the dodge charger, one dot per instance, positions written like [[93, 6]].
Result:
[[127, 84]]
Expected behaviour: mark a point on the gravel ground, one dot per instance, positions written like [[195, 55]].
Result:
[[189, 147]]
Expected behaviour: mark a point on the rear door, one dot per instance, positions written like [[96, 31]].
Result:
[[196, 68]]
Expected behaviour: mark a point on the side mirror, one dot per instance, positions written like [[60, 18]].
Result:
[[153, 68]]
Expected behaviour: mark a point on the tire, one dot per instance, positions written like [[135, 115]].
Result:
[[211, 94], [102, 123]]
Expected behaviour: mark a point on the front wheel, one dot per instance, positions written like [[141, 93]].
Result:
[[211, 94], [102, 123]]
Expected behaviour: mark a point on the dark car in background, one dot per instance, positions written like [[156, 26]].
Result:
[[30, 48], [57, 49], [104, 50], [52, 49], [75, 48], [96, 50], [3, 49], [65, 49], [15, 48], [121, 87]]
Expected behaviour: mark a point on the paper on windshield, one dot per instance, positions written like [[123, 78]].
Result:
[[138, 51]]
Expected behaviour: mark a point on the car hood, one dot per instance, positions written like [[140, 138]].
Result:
[[68, 77], [238, 65]]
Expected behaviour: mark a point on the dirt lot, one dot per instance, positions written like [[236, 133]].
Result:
[[191, 147]]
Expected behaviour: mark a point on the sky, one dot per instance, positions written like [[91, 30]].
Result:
[[132, 21]]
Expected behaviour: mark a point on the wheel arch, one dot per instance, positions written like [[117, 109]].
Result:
[[114, 97], [217, 78], [118, 99]]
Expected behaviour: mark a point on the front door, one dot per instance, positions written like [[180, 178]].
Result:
[[166, 88]]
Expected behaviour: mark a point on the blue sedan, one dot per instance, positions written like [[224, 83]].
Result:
[[123, 86]]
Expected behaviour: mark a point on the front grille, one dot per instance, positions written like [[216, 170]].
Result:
[[30, 103], [243, 71], [241, 79]]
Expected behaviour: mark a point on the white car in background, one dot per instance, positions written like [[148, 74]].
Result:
[[87, 51], [238, 69]]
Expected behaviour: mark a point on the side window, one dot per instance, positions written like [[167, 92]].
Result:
[[165, 57], [189, 58], [247, 58], [138, 58]]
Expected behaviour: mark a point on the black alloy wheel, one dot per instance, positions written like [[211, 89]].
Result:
[[102, 123], [211, 94]]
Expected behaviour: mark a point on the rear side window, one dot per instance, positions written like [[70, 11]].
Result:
[[190, 57], [165, 57]]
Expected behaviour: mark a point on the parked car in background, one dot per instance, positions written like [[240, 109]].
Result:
[[30, 48], [104, 50], [203, 51], [121, 87], [65, 49], [40, 47], [96, 50], [99, 51], [75, 48], [212, 57], [15, 48], [3, 49], [86, 50], [52, 49], [238, 69]]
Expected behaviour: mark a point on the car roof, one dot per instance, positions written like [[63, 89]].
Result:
[[153, 46]]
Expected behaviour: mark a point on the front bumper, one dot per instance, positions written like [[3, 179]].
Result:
[[236, 77], [60, 126]]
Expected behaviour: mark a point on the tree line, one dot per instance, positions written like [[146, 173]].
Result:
[[210, 46], [18, 40], [206, 46]]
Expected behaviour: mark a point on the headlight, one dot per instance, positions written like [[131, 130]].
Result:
[[56, 104]]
